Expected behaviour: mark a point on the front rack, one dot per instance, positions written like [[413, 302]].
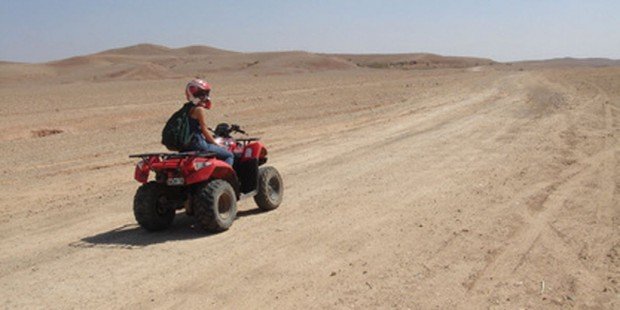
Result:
[[248, 139], [173, 155]]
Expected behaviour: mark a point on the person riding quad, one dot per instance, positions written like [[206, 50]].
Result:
[[197, 92]]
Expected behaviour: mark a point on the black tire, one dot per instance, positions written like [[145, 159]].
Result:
[[270, 189], [151, 208], [215, 205]]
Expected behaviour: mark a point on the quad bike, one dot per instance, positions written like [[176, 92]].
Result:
[[206, 187]]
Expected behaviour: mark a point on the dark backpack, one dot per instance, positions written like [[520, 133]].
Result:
[[177, 134]]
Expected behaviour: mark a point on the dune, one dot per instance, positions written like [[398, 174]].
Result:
[[295, 61], [18, 72], [569, 62], [146, 71], [201, 50], [413, 61], [139, 49], [149, 61]]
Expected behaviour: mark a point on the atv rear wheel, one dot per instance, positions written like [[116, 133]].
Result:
[[151, 208], [270, 189], [215, 205]]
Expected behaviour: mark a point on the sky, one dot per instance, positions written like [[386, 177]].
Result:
[[508, 30]]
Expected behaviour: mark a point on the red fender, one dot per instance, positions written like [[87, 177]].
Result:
[[254, 149], [200, 170], [208, 169], [143, 168]]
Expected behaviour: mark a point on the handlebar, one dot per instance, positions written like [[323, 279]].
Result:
[[236, 128]]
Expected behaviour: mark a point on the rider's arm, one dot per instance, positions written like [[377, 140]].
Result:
[[200, 114]]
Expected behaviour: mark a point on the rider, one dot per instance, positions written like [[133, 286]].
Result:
[[197, 92]]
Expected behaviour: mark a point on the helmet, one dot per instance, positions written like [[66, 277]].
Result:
[[197, 91]]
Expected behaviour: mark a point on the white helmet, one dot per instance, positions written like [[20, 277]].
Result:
[[197, 91]]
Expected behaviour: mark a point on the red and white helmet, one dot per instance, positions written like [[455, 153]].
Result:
[[197, 91]]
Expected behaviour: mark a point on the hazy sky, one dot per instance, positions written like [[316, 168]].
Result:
[[35, 31]]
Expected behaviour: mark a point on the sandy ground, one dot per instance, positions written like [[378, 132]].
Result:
[[457, 188]]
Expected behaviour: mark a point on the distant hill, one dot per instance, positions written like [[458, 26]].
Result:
[[202, 50], [149, 61], [159, 50], [140, 49], [413, 61], [570, 62], [16, 72]]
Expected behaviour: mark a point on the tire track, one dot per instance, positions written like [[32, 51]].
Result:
[[547, 203]]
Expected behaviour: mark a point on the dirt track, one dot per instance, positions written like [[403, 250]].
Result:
[[407, 189]]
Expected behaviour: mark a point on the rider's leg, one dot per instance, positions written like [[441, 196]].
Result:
[[220, 152]]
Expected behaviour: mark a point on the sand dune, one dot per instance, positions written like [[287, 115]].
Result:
[[16, 72], [151, 62], [415, 61], [148, 61], [155, 50], [405, 187], [570, 62]]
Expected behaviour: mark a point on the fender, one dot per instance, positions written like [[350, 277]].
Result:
[[213, 169], [141, 173], [255, 149], [143, 168]]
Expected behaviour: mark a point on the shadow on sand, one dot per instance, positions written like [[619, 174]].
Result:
[[131, 236]]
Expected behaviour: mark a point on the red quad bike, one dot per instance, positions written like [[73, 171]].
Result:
[[206, 187]]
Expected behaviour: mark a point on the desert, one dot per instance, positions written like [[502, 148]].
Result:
[[410, 181]]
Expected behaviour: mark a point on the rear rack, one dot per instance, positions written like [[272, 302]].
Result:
[[173, 155]]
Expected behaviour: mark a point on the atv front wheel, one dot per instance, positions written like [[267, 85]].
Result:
[[270, 189], [151, 207], [215, 205]]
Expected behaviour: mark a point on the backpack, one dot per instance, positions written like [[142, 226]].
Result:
[[177, 134]]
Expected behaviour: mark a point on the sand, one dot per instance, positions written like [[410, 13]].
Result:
[[481, 186]]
